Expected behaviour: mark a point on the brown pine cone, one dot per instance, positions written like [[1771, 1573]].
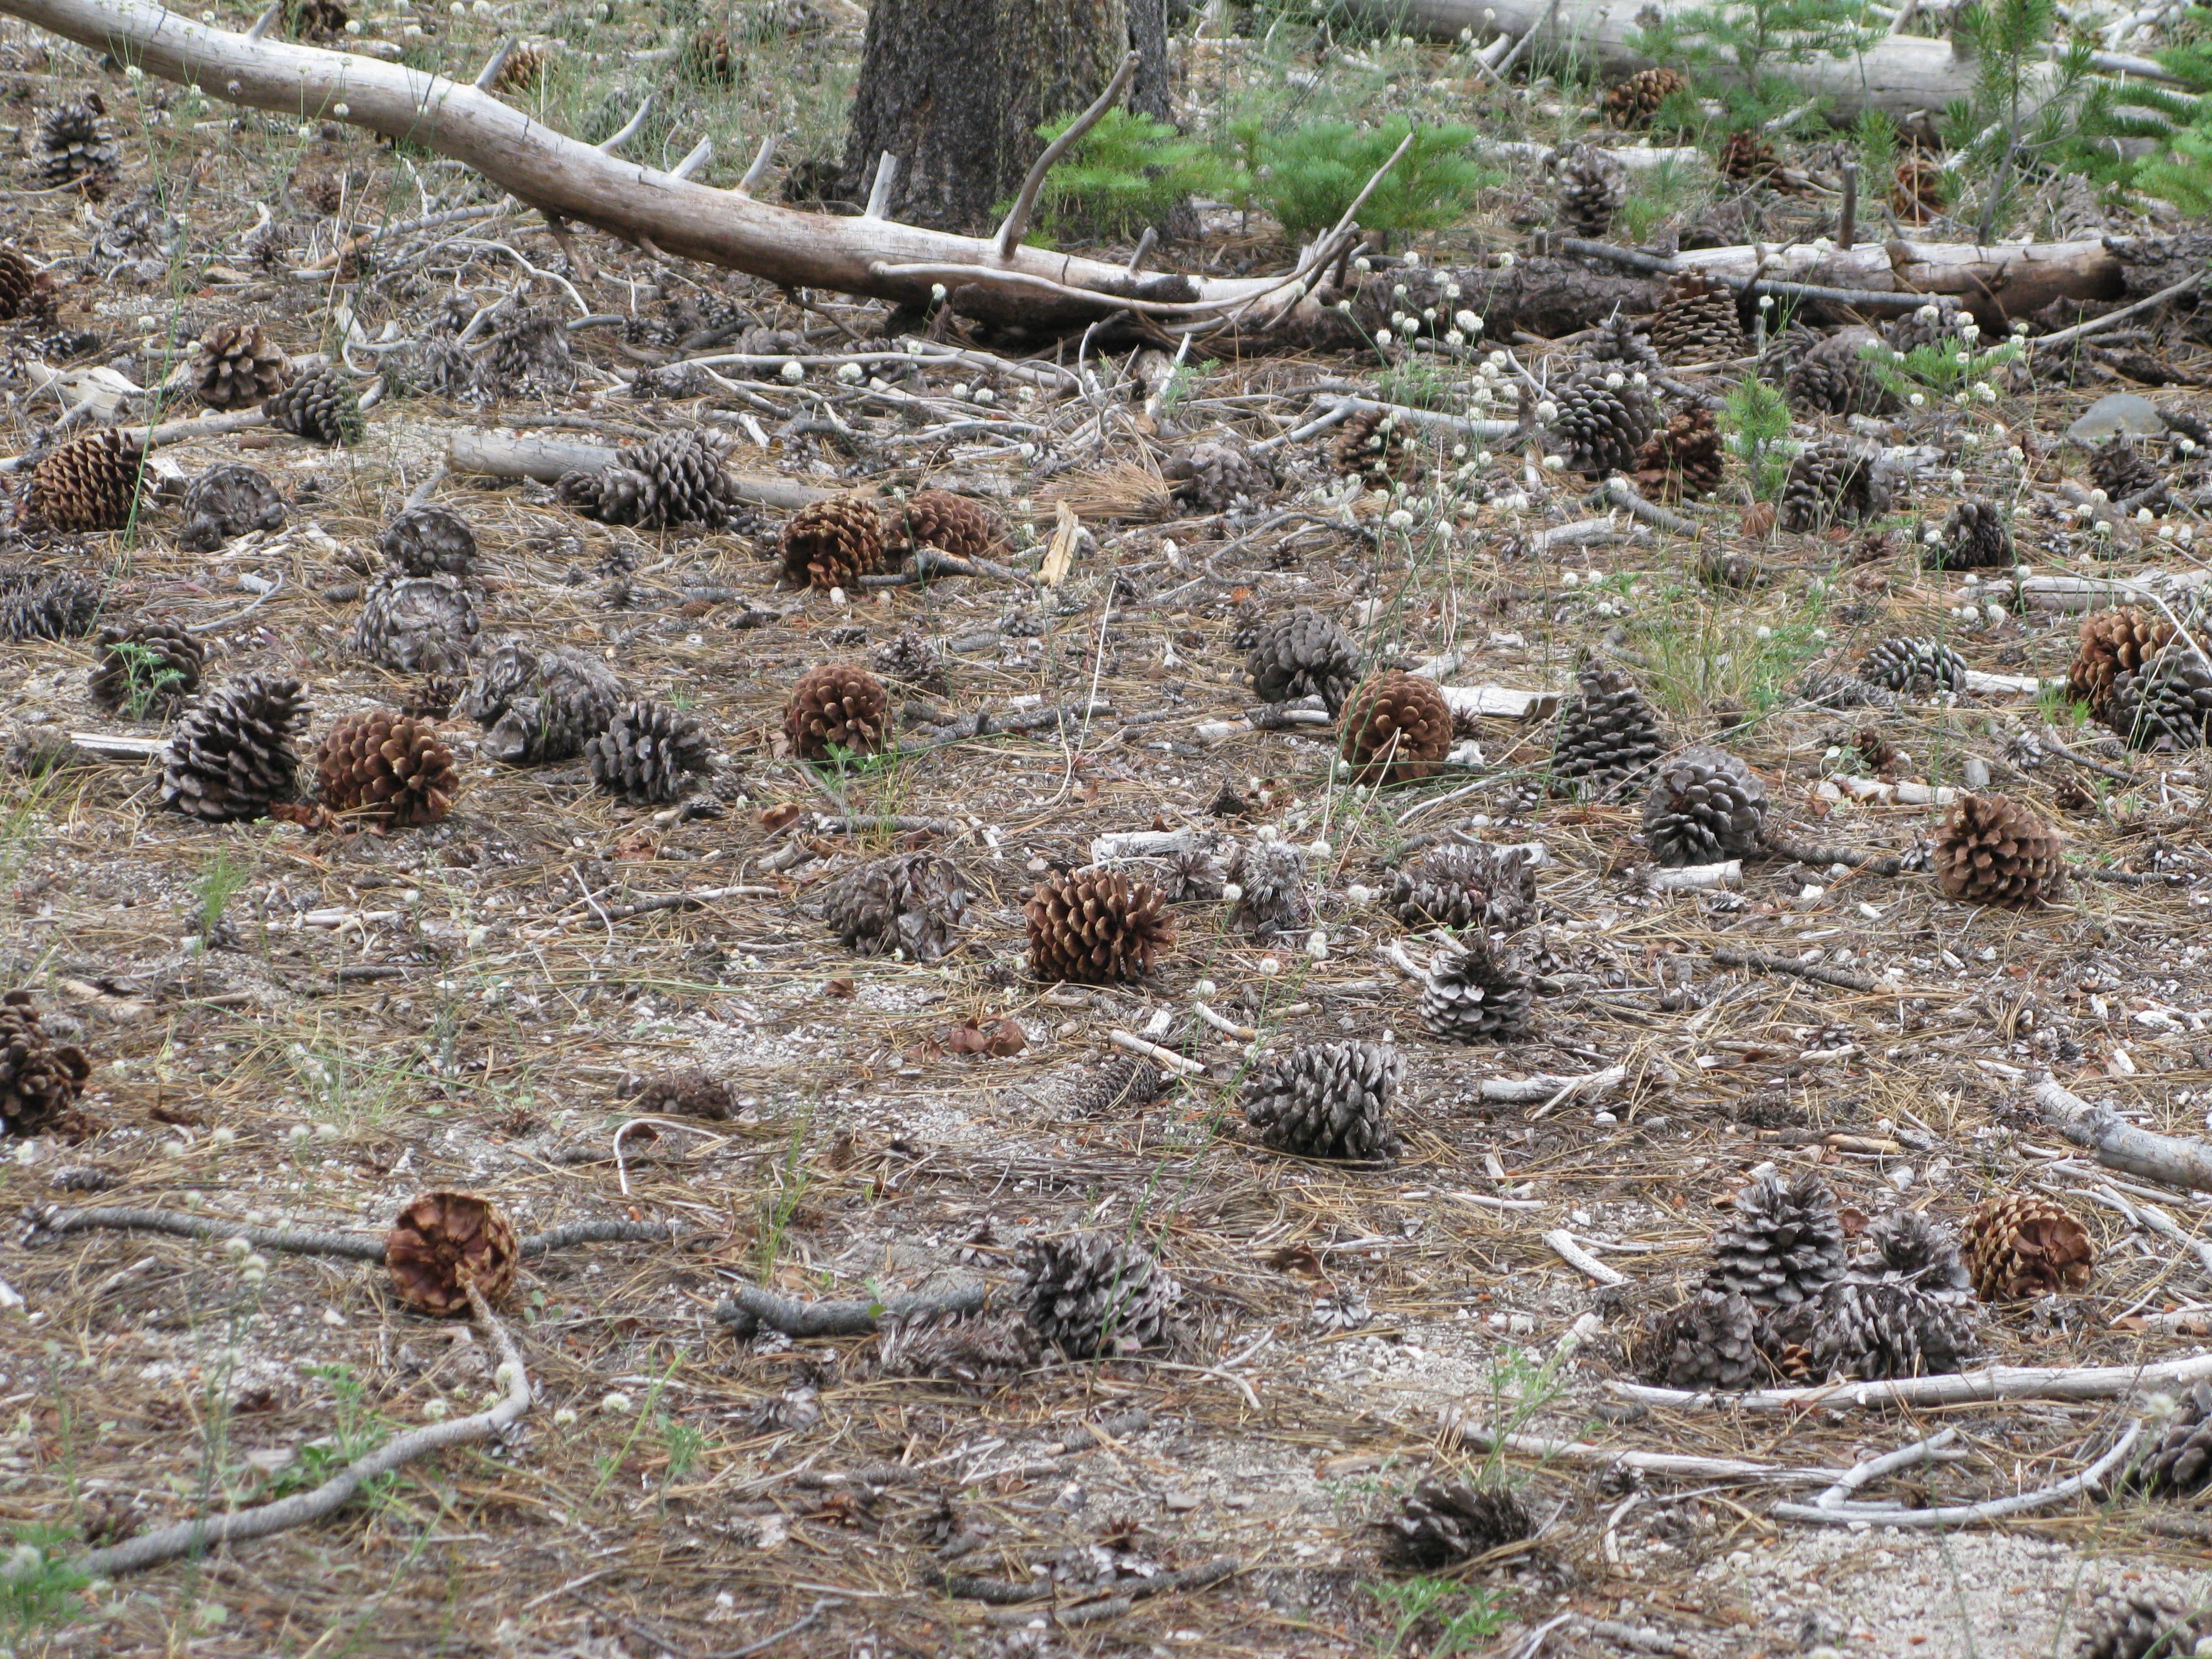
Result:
[[1684, 459], [711, 57], [88, 483], [2113, 643], [1745, 155], [444, 1241], [238, 366], [1918, 189], [39, 1078], [1096, 927], [837, 705], [1395, 727], [1377, 444], [2022, 1244], [833, 544], [23, 290], [1698, 323], [390, 767], [1993, 850], [951, 524], [524, 68], [1632, 102]]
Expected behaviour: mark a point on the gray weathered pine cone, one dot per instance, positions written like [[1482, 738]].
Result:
[[2138, 1624], [1607, 733], [1604, 415], [1218, 475], [675, 479], [1785, 1245], [1474, 994], [2178, 1463], [319, 407], [1094, 1294], [1832, 377], [1272, 879], [149, 668], [1192, 875], [1936, 323], [428, 540], [1921, 666], [988, 1348], [232, 756], [226, 502], [1703, 806], [532, 356], [418, 624], [1444, 1521], [2120, 469], [910, 902], [1974, 538], [911, 660], [75, 142], [1304, 653], [1327, 1100], [1711, 1342], [539, 706], [1592, 187], [1875, 1332], [1913, 1248], [1121, 1085], [49, 604], [2165, 704], [1493, 888], [1834, 481], [1824, 688], [649, 753], [1698, 323], [1622, 344]]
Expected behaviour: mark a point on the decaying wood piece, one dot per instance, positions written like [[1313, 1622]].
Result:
[[504, 455], [2119, 1144], [1948, 1388]]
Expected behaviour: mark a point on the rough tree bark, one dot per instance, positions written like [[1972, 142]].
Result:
[[955, 89]]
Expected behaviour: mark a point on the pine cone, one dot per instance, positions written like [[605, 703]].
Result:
[[1094, 926], [1192, 875], [416, 624], [1604, 418], [1491, 888], [837, 705], [45, 604], [994, 1349], [676, 478], [649, 754], [1785, 1245], [1218, 475], [1447, 1521], [1992, 850], [1304, 654], [2113, 643], [1379, 444], [1475, 994], [1911, 1248], [2118, 469], [1124, 1084], [524, 68], [833, 544], [1974, 538], [434, 696], [935, 518], [2167, 704], [1918, 187], [536, 707], [1921, 666], [1592, 187], [711, 57], [319, 19], [1936, 323], [1833, 378], [146, 668], [319, 407], [683, 1094], [226, 502], [24, 290], [531, 356], [1712, 1342], [428, 540], [231, 758], [39, 1078], [2134, 1623], [1698, 323], [1271, 876], [1873, 1331], [1622, 344], [88, 483], [2180, 1461], [1607, 733], [1684, 458], [1632, 102], [1394, 728], [238, 366], [74, 144], [1091, 1295], [388, 767], [911, 902], [2022, 1244], [1833, 481], [1327, 1100], [445, 1242], [911, 660], [1745, 155], [1704, 805]]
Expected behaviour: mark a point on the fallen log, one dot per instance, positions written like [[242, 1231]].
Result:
[[505, 455], [2116, 1144]]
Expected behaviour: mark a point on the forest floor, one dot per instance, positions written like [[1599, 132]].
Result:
[[313, 1025]]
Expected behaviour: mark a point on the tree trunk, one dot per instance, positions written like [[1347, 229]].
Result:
[[955, 89]]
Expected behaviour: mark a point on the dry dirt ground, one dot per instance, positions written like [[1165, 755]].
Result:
[[313, 1026]]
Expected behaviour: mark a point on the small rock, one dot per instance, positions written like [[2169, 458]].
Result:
[[1181, 1503], [2118, 414]]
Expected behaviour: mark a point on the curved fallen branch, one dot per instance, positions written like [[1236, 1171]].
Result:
[[2119, 1144], [1962, 1515], [193, 1537], [749, 1307], [1950, 1389]]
